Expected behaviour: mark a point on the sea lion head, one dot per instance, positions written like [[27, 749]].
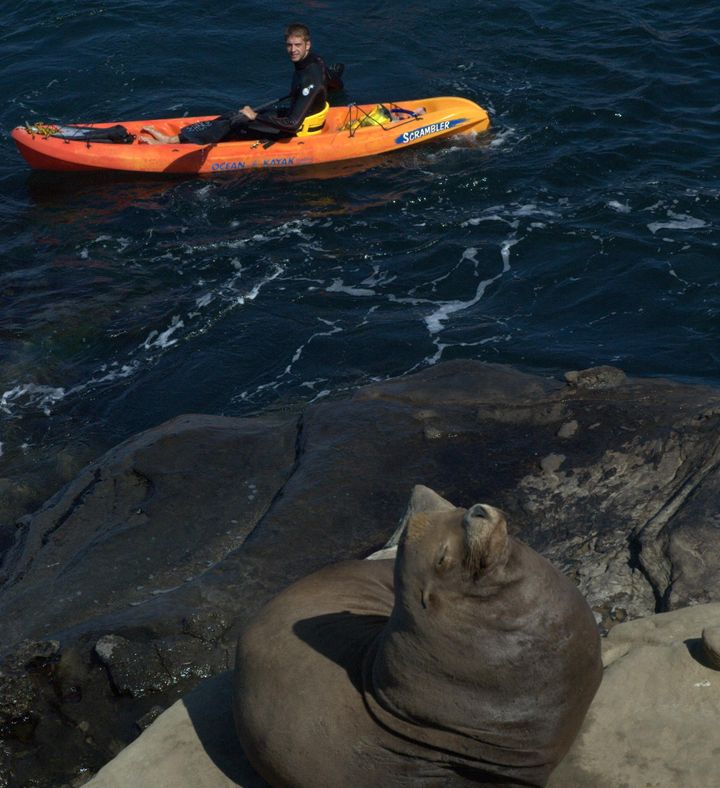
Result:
[[448, 555], [486, 638]]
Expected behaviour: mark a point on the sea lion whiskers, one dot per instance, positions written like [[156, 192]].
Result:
[[486, 539]]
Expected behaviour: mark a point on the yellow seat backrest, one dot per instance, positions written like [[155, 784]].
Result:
[[313, 124]]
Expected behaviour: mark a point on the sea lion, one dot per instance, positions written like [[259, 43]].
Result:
[[468, 660]]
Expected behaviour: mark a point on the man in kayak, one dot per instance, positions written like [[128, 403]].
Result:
[[308, 94]]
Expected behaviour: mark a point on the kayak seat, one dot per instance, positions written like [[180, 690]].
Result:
[[313, 124]]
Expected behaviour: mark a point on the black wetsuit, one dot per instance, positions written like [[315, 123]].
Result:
[[308, 94]]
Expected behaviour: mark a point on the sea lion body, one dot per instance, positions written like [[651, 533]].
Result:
[[469, 660]]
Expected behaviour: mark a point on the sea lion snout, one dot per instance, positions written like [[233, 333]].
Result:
[[481, 510], [485, 535]]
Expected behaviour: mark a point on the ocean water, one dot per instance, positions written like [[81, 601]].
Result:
[[582, 229]]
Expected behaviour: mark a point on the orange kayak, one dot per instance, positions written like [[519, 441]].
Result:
[[343, 137]]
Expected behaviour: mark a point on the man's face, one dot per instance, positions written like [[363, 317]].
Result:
[[297, 47]]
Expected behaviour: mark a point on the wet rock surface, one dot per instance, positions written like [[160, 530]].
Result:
[[141, 571]]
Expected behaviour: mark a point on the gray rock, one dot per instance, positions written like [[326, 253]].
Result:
[[711, 646], [654, 719], [650, 724], [552, 463], [604, 377], [134, 668], [174, 538], [568, 429], [191, 745], [18, 692]]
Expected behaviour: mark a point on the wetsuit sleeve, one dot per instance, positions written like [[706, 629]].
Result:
[[313, 85]]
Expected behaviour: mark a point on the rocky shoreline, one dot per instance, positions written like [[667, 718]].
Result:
[[652, 722], [128, 587]]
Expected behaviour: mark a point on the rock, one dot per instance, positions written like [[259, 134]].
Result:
[[137, 668], [152, 515], [191, 745], [147, 719], [652, 722], [18, 692], [604, 377], [654, 719], [711, 646], [568, 429], [134, 668], [174, 538], [552, 463]]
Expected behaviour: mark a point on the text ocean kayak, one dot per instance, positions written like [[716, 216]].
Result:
[[342, 137]]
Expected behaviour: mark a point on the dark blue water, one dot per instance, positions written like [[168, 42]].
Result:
[[581, 230]]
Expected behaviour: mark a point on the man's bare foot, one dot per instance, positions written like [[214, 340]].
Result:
[[157, 137]]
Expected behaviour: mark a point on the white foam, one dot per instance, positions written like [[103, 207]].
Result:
[[255, 291], [320, 395], [503, 136], [512, 214], [293, 227], [531, 209], [620, 207], [41, 397], [505, 253], [335, 329], [378, 278], [680, 221], [118, 373], [435, 321], [470, 254], [493, 217], [163, 339], [365, 320], [338, 287]]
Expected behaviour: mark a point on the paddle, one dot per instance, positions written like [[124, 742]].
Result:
[[269, 104], [334, 83]]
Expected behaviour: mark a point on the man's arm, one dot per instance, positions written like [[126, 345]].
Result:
[[313, 85]]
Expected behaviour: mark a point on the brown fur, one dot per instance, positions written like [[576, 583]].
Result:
[[469, 660]]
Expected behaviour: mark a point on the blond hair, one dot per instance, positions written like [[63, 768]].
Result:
[[297, 30]]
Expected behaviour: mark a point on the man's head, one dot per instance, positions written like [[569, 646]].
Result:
[[297, 42]]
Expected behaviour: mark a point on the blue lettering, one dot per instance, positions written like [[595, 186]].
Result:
[[228, 165]]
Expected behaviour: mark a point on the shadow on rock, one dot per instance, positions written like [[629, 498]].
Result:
[[210, 710]]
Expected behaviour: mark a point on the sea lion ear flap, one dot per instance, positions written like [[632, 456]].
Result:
[[422, 499], [486, 537]]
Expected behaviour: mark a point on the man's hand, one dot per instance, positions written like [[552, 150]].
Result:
[[249, 112]]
